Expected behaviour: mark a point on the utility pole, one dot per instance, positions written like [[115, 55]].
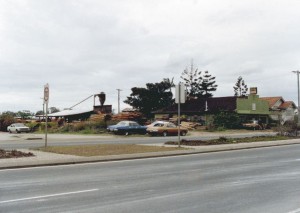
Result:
[[119, 90], [297, 72]]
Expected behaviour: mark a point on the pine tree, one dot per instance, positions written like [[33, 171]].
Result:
[[192, 81], [240, 88], [198, 86], [208, 84]]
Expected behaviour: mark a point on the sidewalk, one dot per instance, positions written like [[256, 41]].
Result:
[[51, 159]]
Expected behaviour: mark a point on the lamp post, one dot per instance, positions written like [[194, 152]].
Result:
[[297, 72]]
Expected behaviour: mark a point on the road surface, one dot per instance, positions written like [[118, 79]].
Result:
[[256, 180]]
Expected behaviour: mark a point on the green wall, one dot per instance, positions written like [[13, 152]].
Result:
[[252, 105]]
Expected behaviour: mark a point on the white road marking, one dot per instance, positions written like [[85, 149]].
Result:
[[47, 196], [295, 211]]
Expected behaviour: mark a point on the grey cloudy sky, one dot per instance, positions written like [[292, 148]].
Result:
[[83, 47]]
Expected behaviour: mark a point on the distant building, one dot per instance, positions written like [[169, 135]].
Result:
[[248, 108], [281, 110]]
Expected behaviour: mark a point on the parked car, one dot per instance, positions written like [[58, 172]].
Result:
[[165, 129], [127, 127], [155, 122], [18, 127]]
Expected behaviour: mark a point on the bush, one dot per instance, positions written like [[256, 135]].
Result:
[[227, 120], [222, 139], [51, 126], [76, 127], [290, 128], [5, 121], [34, 126]]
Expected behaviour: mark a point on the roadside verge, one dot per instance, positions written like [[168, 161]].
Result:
[[51, 159]]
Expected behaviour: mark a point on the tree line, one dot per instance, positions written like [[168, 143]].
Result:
[[159, 95]]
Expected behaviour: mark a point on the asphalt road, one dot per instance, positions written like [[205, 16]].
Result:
[[20, 141], [256, 180]]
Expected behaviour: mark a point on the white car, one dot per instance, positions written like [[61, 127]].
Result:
[[18, 127]]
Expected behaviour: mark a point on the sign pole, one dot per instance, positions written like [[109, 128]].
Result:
[[46, 127], [46, 100], [179, 101], [180, 96]]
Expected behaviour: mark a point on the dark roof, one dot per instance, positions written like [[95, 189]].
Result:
[[199, 105]]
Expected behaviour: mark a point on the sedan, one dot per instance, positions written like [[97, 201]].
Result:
[[165, 129], [127, 127], [18, 127]]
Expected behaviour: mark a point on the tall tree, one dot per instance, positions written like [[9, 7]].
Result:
[[198, 85], [155, 96], [169, 82], [240, 88], [192, 80], [54, 109], [25, 114], [208, 84]]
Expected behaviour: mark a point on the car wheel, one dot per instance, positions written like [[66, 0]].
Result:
[[165, 133], [183, 133], [17, 131], [9, 131]]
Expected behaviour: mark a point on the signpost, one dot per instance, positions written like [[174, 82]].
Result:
[[46, 100], [180, 97]]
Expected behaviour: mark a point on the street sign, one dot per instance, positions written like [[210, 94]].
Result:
[[180, 93], [46, 92]]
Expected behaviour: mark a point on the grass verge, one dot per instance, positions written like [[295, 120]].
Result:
[[225, 140], [105, 149]]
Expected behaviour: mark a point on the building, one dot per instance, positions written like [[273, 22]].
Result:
[[200, 110], [281, 110]]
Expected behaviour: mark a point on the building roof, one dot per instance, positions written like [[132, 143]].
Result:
[[272, 100], [69, 112], [203, 105], [287, 104]]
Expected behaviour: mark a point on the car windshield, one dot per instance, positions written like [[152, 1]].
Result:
[[122, 123], [19, 125]]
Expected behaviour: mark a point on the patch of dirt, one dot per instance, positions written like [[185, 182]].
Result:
[[14, 154]]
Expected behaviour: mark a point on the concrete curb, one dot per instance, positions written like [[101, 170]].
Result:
[[50, 159]]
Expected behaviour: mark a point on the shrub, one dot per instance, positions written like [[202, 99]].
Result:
[[289, 128], [98, 124], [227, 120], [5, 121], [34, 126], [222, 139], [78, 126], [51, 126]]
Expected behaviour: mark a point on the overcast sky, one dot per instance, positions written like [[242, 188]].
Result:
[[84, 47]]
